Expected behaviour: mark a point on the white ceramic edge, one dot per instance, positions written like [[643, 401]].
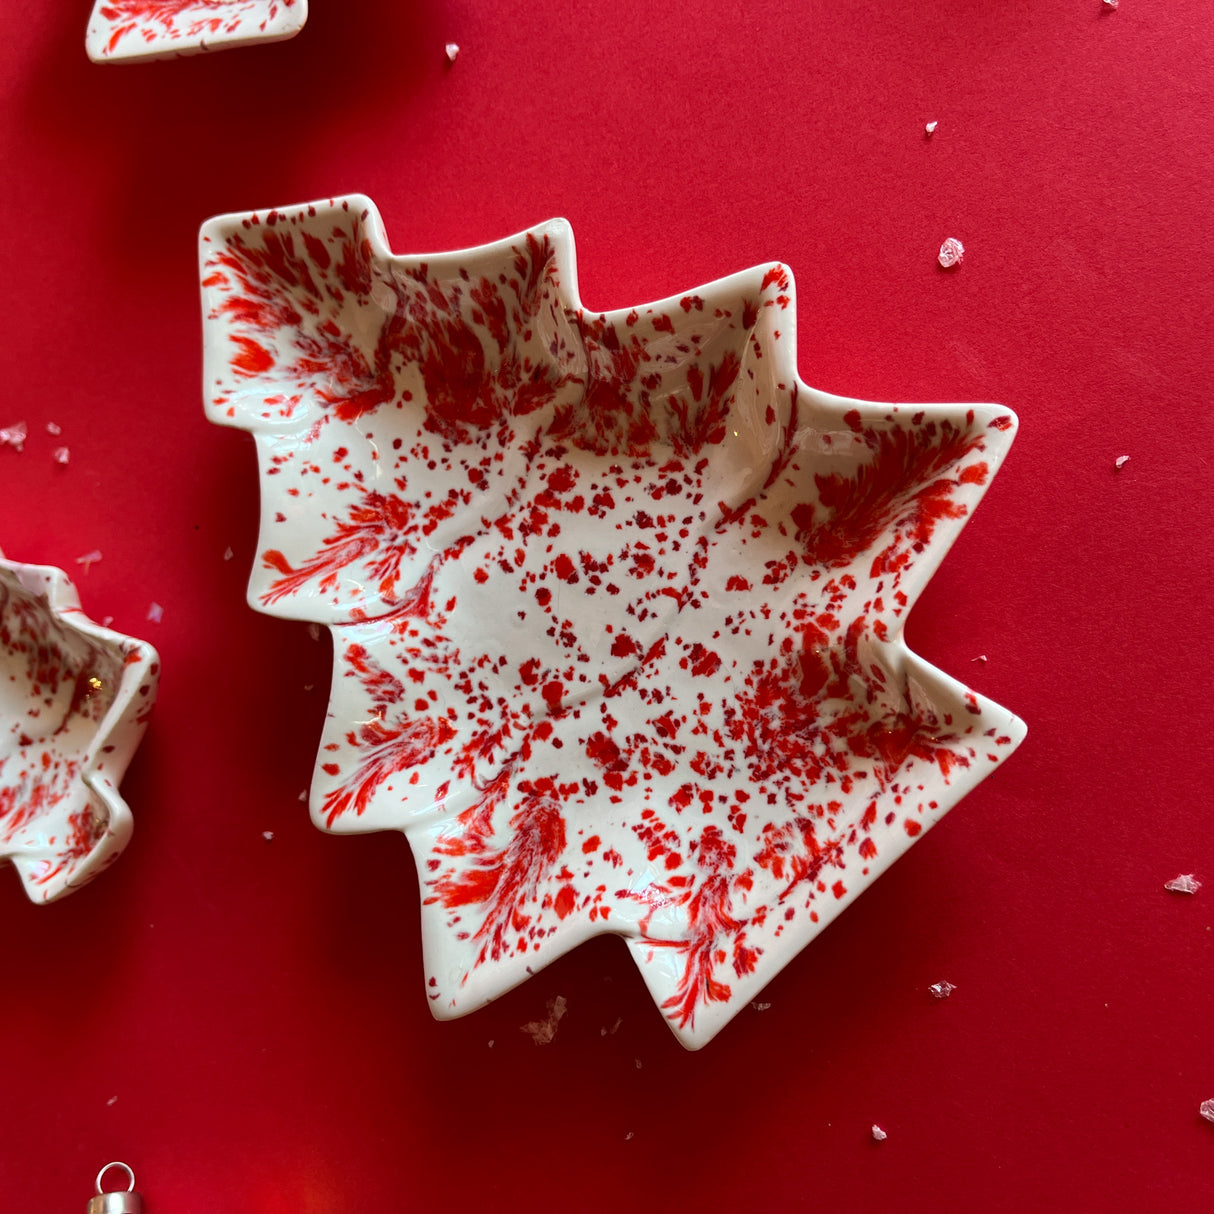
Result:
[[120, 730], [164, 49], [713, 1017]]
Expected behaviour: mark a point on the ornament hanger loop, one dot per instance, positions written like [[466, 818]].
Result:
[[117, 1164]]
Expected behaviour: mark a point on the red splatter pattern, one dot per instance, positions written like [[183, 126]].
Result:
[[76, 701], [152, 28], [617, 600]]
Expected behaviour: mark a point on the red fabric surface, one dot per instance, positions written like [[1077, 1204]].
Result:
[[243, 1021]]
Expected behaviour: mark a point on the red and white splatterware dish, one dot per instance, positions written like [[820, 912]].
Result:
[[74, 702], [129, 30], [617, 601]]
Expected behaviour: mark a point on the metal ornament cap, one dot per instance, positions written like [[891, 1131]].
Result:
[[125, 1202]]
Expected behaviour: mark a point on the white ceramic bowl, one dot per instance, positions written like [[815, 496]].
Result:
[[130, 30], [74, 702], [616, 600]]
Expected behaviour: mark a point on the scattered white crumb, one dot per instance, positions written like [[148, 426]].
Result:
[[451, 50], [267, 835], [942, 990], [228, 554], [952, 253], [491, 1043], [155, 612], [1186, 883], [760, 1007], [113, 1100], [879, 1135], [629, 1136], [543, 1031], [638, 1062], [980, 658], [303, 796], [61, 455], [309, 686], [314, 631], [14, 436], [930, 129], [1207, 1109], [1121, 461], [1111, 3], [54, 428], [89, 559], [109, 619]]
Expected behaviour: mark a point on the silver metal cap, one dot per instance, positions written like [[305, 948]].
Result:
[[116, 1203], [125, 1202]]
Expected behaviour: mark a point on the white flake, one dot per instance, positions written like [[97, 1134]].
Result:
[[543, 1031], [1186, 883], [952, 253], [14, 436]]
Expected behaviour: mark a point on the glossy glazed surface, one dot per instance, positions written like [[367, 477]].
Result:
[[75, 699], [167, 29], [617, 600]]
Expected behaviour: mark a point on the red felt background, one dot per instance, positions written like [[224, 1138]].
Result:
[[243, 1021]]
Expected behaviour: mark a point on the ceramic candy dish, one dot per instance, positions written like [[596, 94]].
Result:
[[74, 702], [616, 600], [127, 30]]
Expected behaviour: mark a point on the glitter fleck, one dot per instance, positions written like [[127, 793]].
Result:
[[89, 559], [14, 436], [451, 50], [942, 990], [543, 1031], [1186, 883], [879, 1135], [1121, 461], [930, 129], [1207, 1109], [155, 612], [952, 252], [61, 455]]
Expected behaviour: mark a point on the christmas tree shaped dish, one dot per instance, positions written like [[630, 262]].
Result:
[[616, 600]]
